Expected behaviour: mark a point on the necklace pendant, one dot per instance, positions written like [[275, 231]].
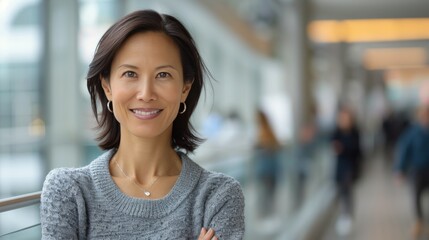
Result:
[[147, 193]]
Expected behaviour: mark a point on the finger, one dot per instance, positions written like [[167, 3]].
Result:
[[202, 233], [214, 238], [209, 234]]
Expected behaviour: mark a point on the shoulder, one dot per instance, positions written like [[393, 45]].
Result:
[[63, 176], [81, 176], [211, 185], [220, 187], [65, 180], [217, 178]]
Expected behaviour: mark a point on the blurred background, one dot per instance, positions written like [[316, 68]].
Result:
[[282, 69]]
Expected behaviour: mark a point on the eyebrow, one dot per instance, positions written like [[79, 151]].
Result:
[[128, 66], [166, 66], [157, 68]]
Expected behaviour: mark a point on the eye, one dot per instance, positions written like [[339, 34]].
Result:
[[163, 75], [129, 74]]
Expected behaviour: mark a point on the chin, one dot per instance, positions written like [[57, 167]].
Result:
[[147, 132]]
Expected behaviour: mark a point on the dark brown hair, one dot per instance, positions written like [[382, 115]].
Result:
[[184, 135]]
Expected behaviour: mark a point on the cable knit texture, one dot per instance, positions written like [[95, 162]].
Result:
[[85, 203]]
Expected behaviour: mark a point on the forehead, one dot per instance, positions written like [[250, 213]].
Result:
[[148, 47]]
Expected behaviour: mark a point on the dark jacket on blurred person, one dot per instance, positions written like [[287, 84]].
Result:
[[413, 158], [413, 150], [346, 145], [348, 154]]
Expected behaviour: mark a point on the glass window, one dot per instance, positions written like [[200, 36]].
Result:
[[21, 165], [28, 15], [95, 16], [20, 97]]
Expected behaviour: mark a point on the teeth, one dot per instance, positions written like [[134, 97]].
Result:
[[143, 113]]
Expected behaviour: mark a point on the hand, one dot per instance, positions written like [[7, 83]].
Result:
[[207, 235]]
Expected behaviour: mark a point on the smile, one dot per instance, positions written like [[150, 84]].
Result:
[[146, 114]]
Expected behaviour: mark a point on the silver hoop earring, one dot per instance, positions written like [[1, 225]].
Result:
[[108, 106], [184, 108]]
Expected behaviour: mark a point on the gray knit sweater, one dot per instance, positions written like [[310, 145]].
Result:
[[85, 203]]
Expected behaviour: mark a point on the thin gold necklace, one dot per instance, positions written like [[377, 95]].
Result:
[[145, 191]]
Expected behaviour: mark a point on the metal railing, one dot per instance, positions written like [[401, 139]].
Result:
[[18, 202]]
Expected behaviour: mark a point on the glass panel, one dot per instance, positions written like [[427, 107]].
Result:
[[33, 232], [20, 97], [96, 16], [20, 146], [29, 15], [20, 224]]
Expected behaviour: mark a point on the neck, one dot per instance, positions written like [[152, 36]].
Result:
[[144, 159]]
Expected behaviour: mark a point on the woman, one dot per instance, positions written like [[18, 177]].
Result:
[[147, 75], [267, 148], [346, 147]]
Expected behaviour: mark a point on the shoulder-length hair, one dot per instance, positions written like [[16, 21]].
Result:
[[184, 135]]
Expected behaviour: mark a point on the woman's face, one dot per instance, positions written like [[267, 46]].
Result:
[[344, 120], [146, 85]]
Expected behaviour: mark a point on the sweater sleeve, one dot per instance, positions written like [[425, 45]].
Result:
[[60, 201], [228, 211]]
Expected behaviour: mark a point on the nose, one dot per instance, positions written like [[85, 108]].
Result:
[[146, 90]]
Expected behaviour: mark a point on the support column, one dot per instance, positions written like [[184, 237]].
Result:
[[64, 117], [294, 51]]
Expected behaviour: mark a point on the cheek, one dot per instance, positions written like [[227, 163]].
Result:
[[172, 93], [120, 97], [122, 92]]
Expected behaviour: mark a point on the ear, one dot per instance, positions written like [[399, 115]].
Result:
[[186, 89], [106, 87]]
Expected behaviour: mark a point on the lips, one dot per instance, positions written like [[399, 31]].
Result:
[[146, 113]]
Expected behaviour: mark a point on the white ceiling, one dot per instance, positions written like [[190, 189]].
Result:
[[355, 9]]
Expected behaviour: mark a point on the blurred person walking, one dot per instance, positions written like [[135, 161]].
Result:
[[412, 161], [347, 149], [393, 125], [267, 147], [307, 141]]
